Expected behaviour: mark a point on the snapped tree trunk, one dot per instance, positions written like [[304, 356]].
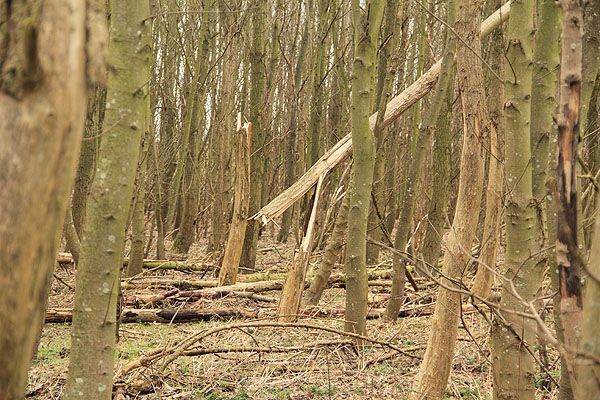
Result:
[[239, 218], [291, 295]]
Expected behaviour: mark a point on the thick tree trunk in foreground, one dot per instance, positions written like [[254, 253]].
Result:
[[435, 368], [514, 374], [95, 305], [366, 23], [42, 111]]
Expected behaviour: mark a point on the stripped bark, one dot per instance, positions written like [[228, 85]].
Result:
[[568, 255]]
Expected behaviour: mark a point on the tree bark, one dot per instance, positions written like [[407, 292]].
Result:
[[588, 379], [42, 111], [514, 373], [435, 368], [332, 253], [291, 295], [366, 23], [94, 321], [417, 158], [257, 90], [568, 255]]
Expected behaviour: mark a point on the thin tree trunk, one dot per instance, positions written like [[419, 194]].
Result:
[[366, 22], [92, 356], [87, 156], [332, 254], [514, 374], [386, 75], [417, 158], [568, 255], [588, 380], [138, 236], [257, 89], [486, 268], [434, 371], [71, 237]]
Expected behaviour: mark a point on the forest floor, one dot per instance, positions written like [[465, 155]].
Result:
[[286, 363]]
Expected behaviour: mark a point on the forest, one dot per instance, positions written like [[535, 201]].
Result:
[[299, 199]]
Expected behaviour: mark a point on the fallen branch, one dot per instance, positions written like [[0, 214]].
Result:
[[376, 313], [129, 315], [67, 258], [191, 295], [171, 353], [376, 277]]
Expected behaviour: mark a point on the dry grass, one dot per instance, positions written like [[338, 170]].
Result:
[[293, 364]]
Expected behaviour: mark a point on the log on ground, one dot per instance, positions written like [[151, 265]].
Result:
[[130, 315]]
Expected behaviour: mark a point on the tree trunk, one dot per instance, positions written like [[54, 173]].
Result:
[[386, 74], [257, 89], [417, 158], [366, 23], [332, 253], [435, 368], [70, 235], [568, 255], [291, 295], [514, 373], [587, 382], [486, 268], [95, 306], [42, 111], [138, 236], [87, 157]]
